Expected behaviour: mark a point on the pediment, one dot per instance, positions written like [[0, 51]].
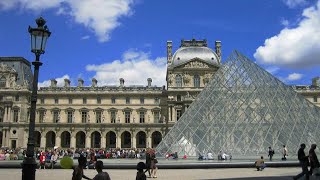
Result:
[[196, 63]]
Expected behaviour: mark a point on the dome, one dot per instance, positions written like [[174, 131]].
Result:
[[185, 54]]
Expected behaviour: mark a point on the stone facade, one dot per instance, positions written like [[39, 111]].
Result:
[[109, 116]]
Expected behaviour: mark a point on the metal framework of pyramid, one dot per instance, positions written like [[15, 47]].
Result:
[[242, 111]]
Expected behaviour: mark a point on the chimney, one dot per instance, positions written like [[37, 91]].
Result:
[[149, 82], [121, 82], [66, 83], [316, 81], [94, 82], [53, 83], [169, 51], [80, 82], [218, 50]]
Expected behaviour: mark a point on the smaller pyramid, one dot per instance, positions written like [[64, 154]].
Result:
[[242, 111]]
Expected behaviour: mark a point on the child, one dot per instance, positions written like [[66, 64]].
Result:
[[140, 173], [42, 160]]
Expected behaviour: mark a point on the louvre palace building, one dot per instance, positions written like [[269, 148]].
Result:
[[109, 116]]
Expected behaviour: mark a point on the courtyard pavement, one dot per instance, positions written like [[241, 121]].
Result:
[[170, 174]]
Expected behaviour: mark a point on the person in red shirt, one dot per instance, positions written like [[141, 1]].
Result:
[[42, 160]]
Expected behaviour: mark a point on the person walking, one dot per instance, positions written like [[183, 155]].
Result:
[[284, 153], [314, 163], [148, 162], [304, 162], [78, 171], [101, 175], [154, 162], [270, 153], [140, 174]]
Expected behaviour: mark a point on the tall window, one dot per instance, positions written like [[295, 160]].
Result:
[[98, 117], [41, 116], [178, 80], [98, 100], [113, 100], [179, 113], [141, 100], [315, 99], [141, 117], [196, 80], [15, 115], [70, 117], [55, 116], [2, 82], [156, 100], [127, 116], [70, 101], [17, 98], [113, 117], [178, 97], [156, 116], [42, 100], [84, 100], [84, 117], [1, 114], [56, 101], [127, 100]]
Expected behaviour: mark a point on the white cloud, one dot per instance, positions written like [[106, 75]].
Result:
[[285, 22], [295, 3], [135, 67], [297, 47], [100, 16], [85, 37], [60, 81], [272, 69], [294, 77]]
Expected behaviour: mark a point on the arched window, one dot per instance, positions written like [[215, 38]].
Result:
[[196, 80], [3, 81], [178, 80]]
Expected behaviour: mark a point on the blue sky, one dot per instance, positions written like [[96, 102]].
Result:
[[110, 39]]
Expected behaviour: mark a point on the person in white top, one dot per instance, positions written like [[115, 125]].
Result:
[[101, 175], [210, 156], [224, 156]]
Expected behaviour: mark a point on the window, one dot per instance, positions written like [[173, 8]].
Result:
[[17, 98], [179, 113], [178, 80], [1, 114], [113, 100], [178, 97], [141, 100], [315, 99], [15, 115], [56, 101], [113, 117], [1, 98], [127, 116], [156, 100], [55, 116], [42, 100], [84, 117], [41, 116], [127, 100], [70, 101], [3, 82], [141, 117], [98, 117], [70, 116], [84, 100], [98, 100], [156, 116], [196, 80]]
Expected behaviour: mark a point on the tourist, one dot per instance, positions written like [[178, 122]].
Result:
[[304, 162], [92, 160], [260, 165], [270, 153], [284, 153], [54, 159], [140, 174], [210, 156], [101, 175], [154, 162], [78, 171], [224, 156], [314, 163], [148, 162], [42, 160]]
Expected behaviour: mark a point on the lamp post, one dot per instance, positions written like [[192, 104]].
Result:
[[39, 36]]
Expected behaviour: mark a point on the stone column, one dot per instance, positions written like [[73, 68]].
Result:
[[4, 135], [133, 140], [149, 145], [58, 140], [9, 114], [5, 117], [25, 138], [73, 140], [88, 141], [118, 140], [103, 140], [43, 140]]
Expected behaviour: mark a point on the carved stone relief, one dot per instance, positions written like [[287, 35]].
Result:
[[196, 64]]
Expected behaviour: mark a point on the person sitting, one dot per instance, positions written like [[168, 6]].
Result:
[[260, 165], [210, 156], [224, 156], [200, 157]]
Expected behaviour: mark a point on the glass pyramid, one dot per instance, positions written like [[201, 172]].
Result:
[[242, 111]]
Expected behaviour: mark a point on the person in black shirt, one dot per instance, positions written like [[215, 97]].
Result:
[[304, 162], [270, 153]]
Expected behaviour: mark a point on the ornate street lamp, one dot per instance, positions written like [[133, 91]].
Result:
[[39, 37]]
